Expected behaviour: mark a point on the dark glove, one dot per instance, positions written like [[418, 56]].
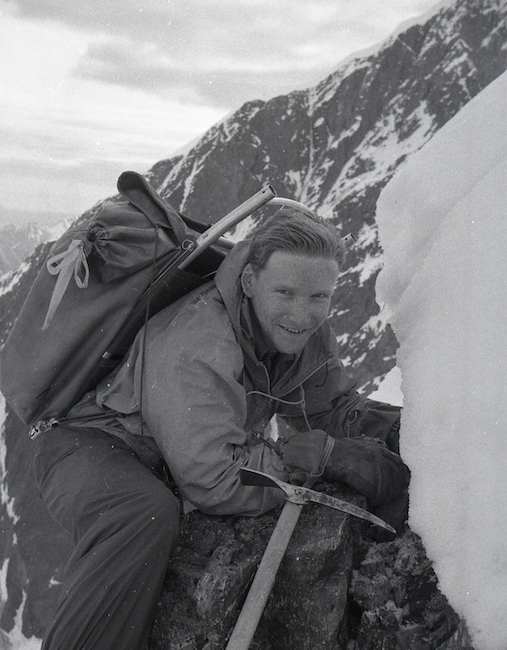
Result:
[[366, 465], [305, 455], [376, 420]]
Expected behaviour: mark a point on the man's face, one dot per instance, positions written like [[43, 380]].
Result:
[[291, 296]]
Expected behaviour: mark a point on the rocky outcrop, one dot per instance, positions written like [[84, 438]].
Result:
[[395, 602], [213, 566], [336, 589]]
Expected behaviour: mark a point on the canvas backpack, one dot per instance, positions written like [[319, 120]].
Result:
[[98, 286]]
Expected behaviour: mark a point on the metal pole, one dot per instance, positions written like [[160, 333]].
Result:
[[213, 233]]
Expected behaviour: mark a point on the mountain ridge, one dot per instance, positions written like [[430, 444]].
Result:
[[18, 241], [335, 145]]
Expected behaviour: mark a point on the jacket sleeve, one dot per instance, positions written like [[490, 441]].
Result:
[[195, 407]]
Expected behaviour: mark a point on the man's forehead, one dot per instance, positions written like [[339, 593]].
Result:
[[287, 260], [290, 268]]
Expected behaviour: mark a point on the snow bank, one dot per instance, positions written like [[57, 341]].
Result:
[[443, 227]]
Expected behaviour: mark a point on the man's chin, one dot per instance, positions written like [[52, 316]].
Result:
[[291, 344]]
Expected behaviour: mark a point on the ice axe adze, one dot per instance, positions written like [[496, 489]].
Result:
[[262, 584]]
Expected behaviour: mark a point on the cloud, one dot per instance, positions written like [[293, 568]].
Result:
[[221, 52], [93, 87], [139, 67], [65, 155]]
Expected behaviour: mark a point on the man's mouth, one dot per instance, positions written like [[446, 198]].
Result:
[[292, 330]]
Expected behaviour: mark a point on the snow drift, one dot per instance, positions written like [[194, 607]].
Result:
[[443, 227]]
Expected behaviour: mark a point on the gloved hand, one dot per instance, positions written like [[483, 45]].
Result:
[[366, 465], [376, 420], [305, 455]]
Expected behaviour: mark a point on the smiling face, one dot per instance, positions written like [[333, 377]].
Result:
[[291, 296]]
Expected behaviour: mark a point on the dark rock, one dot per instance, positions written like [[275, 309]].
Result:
[[212, 567], [336, 589], [397, 603]]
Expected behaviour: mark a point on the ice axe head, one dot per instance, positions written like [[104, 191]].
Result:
[[302, 495]]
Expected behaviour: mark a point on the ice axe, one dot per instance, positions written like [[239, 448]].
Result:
[[296, 497]]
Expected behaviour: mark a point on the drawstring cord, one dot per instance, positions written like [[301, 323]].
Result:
[[71, 262], [301, 402]]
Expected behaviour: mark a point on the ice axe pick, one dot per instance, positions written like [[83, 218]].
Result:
[[296, 497]]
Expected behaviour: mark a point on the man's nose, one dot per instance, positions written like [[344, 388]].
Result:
[[300, 311]]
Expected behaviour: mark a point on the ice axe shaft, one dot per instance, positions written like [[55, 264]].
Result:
[[212, 234], [262, 584]]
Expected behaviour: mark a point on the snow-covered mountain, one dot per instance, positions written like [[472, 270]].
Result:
[[333, 147], [18, 241]]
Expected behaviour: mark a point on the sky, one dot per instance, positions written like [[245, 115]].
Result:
[[90, 89]]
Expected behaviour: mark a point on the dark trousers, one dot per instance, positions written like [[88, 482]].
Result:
[[124, 522]]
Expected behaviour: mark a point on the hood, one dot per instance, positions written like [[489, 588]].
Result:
[[228, 282], [316, 352]]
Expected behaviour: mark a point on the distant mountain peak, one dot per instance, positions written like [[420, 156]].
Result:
[[17, 242]]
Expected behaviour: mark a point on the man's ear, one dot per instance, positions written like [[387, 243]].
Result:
[[247, 277]]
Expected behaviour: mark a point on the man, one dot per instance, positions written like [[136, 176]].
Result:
[[208, 375]]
